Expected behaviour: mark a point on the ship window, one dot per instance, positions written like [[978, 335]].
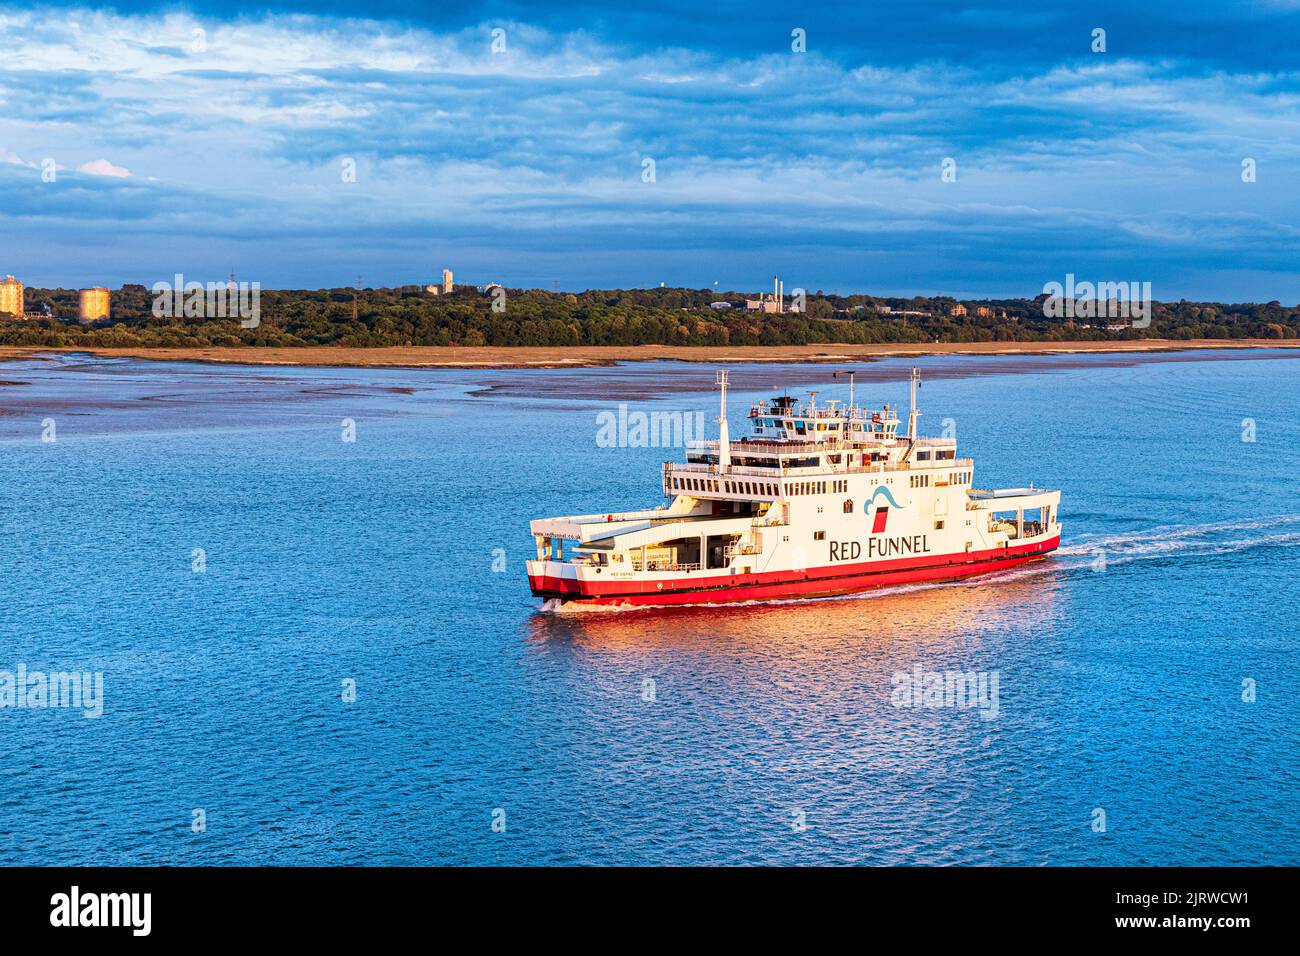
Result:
[[938, 526], [922, 456], [819, 535], [848, 506]]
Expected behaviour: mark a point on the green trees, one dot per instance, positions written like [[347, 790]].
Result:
[[407, 315]]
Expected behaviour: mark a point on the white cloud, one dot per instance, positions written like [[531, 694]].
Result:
[[102, 167]]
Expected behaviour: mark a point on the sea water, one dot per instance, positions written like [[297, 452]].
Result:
[[305, 592]]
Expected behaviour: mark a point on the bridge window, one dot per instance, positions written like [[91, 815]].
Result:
[[819, 535]]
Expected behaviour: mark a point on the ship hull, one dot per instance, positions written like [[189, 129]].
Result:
[[825, 581]]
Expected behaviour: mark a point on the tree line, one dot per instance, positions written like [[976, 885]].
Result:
[[409, 315]]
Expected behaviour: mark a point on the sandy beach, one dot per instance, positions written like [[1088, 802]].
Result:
[[589, 356]]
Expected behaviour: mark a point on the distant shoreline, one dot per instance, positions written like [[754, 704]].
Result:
[[589, 356]]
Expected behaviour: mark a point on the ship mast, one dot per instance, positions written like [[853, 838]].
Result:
[[913, 412], [724, 445]]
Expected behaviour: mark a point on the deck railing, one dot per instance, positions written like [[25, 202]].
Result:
[[638, 565]]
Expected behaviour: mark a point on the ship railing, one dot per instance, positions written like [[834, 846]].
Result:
[[875, 467], [638, 565], [691, 466]]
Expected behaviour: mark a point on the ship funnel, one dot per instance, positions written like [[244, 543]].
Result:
[[724, 444]]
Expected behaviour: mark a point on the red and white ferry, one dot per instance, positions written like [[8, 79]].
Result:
[[823, 499]]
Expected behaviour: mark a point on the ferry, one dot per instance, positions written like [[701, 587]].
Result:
[[822, 499]]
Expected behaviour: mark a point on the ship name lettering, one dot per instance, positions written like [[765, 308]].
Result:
[[893, 547]]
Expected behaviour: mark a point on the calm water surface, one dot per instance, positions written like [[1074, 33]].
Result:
[[1121, 661]]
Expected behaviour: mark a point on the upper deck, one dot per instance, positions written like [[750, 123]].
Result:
[[793, 440]]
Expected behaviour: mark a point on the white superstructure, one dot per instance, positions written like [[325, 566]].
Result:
[[822, 498]]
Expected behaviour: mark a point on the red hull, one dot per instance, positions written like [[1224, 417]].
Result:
[[813, 582]]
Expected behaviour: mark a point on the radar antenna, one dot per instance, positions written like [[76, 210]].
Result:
[[724, 445], [914, 413]]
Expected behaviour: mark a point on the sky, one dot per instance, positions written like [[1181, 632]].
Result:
[[580, 145]]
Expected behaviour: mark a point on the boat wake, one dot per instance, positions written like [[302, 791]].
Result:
[[1087, 552], [1098, 552]]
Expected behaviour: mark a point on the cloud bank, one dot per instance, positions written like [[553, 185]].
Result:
[[304, 149]]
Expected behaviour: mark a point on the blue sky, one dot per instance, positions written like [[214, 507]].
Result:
[[209, 137]]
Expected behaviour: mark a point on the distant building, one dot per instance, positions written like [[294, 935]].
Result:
[[720, 306], [774, 303], [984, 312], [957, 309], [446, 282], [11, 297], [432, 289], [94, 304]]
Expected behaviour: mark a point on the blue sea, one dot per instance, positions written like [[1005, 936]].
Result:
[[305, 592]]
